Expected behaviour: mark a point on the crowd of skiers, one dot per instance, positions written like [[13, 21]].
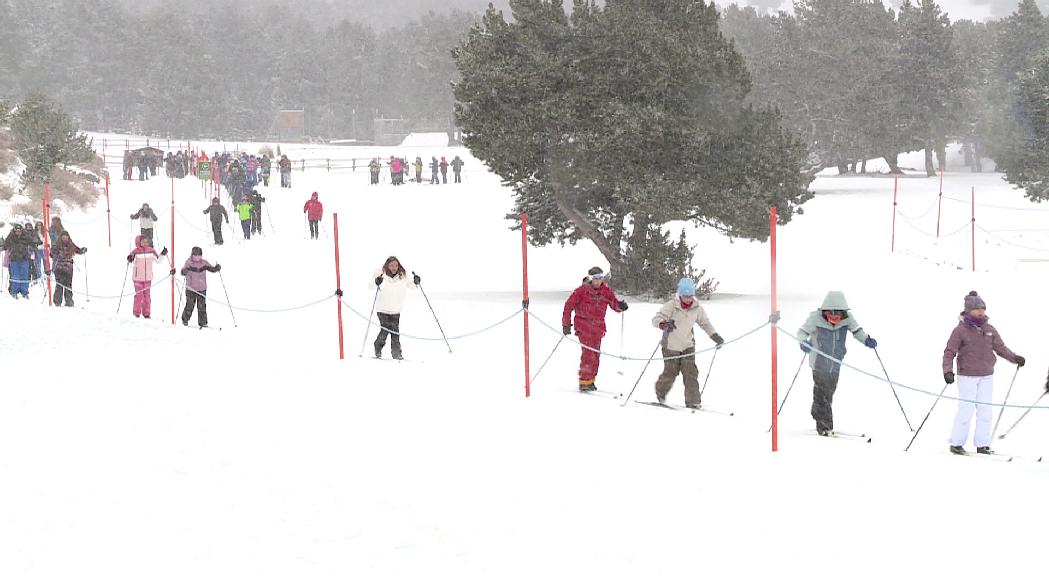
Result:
[[401, 169]]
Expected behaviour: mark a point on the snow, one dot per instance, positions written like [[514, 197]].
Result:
[[134, 446]]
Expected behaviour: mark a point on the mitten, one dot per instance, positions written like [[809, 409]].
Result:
[[218, 267], [567, 329], [667, 325], [130, 257], [948, 377], [164, 252], [378, 280], [805, 347], [416, 279], [83, 250], [623, 305], [717, 339], [1020, 361], [870, 342]]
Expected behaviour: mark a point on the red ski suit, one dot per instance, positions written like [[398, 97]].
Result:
[[589, 305]]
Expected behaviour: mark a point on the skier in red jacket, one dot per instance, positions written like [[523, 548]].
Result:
[[313, 210], [589, 302]]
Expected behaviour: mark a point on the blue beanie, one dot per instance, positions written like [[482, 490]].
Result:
[[686, 287]]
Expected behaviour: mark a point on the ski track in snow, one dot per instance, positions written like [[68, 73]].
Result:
[[134, 446]]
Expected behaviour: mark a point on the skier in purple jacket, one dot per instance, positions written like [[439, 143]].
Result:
[[195, 270], [974, 342]]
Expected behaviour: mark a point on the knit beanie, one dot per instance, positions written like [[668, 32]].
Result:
[[973, 301], [686, 287], [196, 251]]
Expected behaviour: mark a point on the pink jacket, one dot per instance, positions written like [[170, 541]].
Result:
[[144, 258], [313, 208]]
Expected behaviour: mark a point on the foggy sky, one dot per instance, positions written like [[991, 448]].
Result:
[[956, 9]]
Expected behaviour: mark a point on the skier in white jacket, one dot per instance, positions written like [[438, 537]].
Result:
[[391, 284]]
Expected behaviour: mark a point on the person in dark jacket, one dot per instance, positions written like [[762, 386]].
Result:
[[256, 211], [19, 247], [974, 342], [195, 270], [217, 213], [434, 166], [62, 254], [825, 331], [444, 170], [589, 303], [457, 168]]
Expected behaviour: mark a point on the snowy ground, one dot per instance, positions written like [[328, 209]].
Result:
[[133, 446]]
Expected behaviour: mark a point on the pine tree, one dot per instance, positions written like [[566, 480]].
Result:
[[619, 120], [45, 137]]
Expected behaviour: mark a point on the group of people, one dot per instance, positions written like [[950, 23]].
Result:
[[400, 169], [972, 346], [24, 258]]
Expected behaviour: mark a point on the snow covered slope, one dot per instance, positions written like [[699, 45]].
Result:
[[133, 446]]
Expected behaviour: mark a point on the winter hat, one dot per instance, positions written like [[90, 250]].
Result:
[[197, 251], [973, 301], [686, 287], [315, 195]]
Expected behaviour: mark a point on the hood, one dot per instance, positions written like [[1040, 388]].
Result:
[[834, 301], [314, 196]]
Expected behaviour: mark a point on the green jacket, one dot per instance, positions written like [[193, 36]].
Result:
[[244, 209]]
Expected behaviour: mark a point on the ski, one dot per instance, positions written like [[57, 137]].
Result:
[[860, 437], [396, 360], [601, 394], [686, 408], [1006, 457]]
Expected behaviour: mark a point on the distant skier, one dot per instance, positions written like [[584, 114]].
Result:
[[217, 213], [418, 169], [266, 165], [18, 247], [825, 331], [457, 168], [391, 285], [444, 170], [314, 210], [374, 169], [195, 270], [589, 302], [285, 171], [146, 219], [144, 257], [244, 210], [675, 319], [434, 167], [62, 254], [974, 342], [256, 211]]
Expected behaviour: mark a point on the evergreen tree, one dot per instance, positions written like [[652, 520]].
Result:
[[45, 137], [620, 120]]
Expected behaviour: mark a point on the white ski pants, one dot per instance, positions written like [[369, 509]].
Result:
[[970, 388]]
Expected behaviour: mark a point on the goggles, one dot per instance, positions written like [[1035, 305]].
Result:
[[593, 277]]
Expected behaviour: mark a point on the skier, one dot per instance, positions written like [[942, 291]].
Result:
[[266, 166], [18, 246], [146, 218], [62, 254], [396, 171], [244, 210], [129, 163], [444, 170], [589, 302], [457, 168], [314, 210], [285, 171], [374, 169], [144, 257], [256, 200], [418, 169], [434, 166], [391, 285], [217, 212], [143, 166], [195, 270], [675, 319], [825, 331], [974, 342]]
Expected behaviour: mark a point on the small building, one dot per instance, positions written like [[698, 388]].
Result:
[[290, 125]]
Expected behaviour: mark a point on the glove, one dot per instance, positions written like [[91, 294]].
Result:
[[805, 347], [164, 252], [378, 280], [132, 216], [1020, 361], [83, 250], [416, 279], [623, 306], [1047, 385], [130, 257], [338, 292], [870, 342], [717, 339], [948, 377], [172, 272], [567, 329], [667, 325], [218, 267], [183, 272]]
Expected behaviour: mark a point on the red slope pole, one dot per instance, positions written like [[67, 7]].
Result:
[[972, 224], [109, 220], [895, 189], [338, 281], [524, 301], [775, 392], [939, 203], [47, 241]]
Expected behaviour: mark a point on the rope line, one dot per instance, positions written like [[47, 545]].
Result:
[[924, 233], [997, 206], [647, 359], [185, 287], [904, 386], [458, 337], [1003, 240], [923, 214]]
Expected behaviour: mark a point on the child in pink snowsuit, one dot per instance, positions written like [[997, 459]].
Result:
[[143, 257]]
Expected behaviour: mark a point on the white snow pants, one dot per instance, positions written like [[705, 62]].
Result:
[[976, 388]]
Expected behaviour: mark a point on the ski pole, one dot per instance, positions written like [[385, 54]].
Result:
[[181, 293], [639, 376], [709, 370], [1006, 401], [124, 283], [892, 386], [536, 375], [622, 330], [926, 417], [87, 285], [434, 317], [226, 292], [368, 322], [270, 219], [791, 387], [1026, 412]]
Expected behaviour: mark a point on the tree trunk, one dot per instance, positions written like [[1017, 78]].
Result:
[[564, 201], [863, 170], [843, 168], [894, 164], [941, 153], [930, 168]]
